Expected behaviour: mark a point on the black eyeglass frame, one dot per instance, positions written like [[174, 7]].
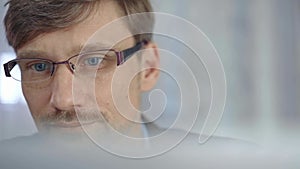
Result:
[[122, 57]]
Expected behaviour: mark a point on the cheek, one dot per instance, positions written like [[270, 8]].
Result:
[[134, 92], [117, 89], [36, 98], [103, 91]]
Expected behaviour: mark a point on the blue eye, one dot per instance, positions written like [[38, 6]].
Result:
[[93, 61], [40, 67]]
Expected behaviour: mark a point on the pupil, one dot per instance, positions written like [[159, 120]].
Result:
[[93, 61], [40, 67]]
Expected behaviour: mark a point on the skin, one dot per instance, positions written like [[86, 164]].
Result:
[[53, 103]]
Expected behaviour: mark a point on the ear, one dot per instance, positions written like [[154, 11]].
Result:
[[150, 63]]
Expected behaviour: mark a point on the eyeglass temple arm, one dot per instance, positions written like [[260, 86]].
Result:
[[124, 55], [7, 68]]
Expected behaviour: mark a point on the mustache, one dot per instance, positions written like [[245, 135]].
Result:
[[82, 116]]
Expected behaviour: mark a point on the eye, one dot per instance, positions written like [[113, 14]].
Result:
[[93, 61], [39, 67]]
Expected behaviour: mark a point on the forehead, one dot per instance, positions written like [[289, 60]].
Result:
[[71, 40]]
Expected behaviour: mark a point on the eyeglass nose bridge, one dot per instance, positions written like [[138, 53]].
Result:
[[71, 66]]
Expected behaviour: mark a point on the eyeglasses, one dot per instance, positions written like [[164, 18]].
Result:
[[28, 70]]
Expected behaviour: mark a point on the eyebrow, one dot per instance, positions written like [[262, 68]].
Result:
[[76, 50], [92, 47], [31, 54]]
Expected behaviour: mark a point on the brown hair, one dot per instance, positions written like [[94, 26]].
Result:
[[27, 19]]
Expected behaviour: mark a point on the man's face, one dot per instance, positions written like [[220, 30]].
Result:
[[52, 102]]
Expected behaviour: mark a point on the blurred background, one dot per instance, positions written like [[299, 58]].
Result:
[[259, 45]]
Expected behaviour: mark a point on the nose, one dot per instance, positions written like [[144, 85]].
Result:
[[61, 94]]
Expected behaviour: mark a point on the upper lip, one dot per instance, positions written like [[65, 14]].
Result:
[[70, 124]]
